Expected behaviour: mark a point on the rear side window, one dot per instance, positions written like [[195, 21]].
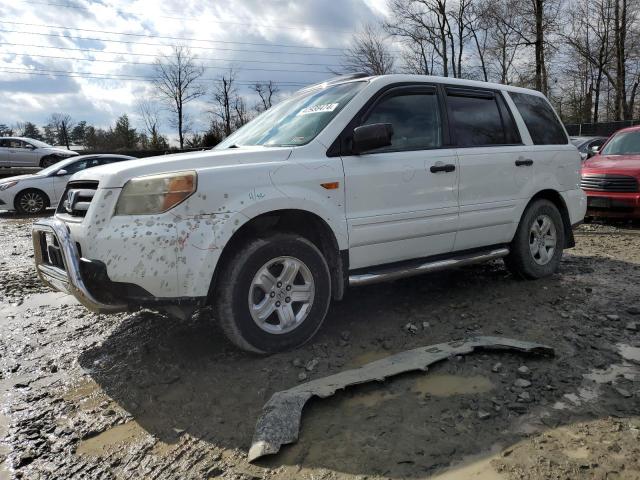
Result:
[[415, 118], [478, 119], [540, 119]]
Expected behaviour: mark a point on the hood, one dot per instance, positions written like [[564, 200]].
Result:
[[28, 176], [62, 151], [628, 164], [115, 175]]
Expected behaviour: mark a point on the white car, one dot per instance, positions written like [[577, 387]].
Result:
[[27, 152], [30, 194], [349, 182]]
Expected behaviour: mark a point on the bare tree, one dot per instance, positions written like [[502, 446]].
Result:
[[369, 53], [61, 125], [150, 113], [424, 27], [178, 83], [266, 91], [225, 97]]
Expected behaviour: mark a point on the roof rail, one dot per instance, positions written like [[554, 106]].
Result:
[[334, 80]]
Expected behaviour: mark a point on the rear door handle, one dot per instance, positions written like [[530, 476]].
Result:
[[524, 162], [448, 168]]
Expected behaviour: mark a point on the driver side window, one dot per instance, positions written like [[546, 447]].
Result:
[[415, 118], [75, 167]]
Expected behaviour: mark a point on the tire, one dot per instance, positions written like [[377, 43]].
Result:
[[528, 257], [31, 202], [48, 161], [251, 298]]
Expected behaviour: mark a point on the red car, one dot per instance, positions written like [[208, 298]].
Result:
[[611, 178]]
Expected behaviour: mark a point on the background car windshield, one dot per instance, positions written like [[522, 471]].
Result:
[[295, 121], [56, 166], [39, 144], [625, 143]]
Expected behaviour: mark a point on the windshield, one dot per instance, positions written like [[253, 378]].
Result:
[[38, 143], [625, 143], [57, 166], [295, 121]]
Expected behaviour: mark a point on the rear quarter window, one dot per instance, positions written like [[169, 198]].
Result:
[[540, 119]]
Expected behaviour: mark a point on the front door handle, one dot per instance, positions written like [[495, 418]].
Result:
[[448, 168], [524, 162]]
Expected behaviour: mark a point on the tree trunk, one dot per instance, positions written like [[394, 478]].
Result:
[[541, 84]]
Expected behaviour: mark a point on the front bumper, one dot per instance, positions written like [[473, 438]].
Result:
[[58, 265], [613, 204]]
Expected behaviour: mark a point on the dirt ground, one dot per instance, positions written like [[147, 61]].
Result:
[[140, 395]]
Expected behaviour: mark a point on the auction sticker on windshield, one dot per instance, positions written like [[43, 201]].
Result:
[[327, 107]]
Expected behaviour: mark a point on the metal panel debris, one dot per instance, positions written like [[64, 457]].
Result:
[[279, 422]]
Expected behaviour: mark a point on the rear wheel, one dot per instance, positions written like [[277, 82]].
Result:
[[31, 202], [273, 294], [536, 249]]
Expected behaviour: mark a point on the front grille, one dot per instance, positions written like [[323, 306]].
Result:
[[76, 198], [609, 183]]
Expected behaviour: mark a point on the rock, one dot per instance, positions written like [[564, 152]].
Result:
[[522, 383], [623, 392], [524, 371], [297, 363], [496, 368], [524, 397], [482, 415], [386, 345], [302, 376], [633, 310], [411, 328], [345, 335], [425, 325], [612, 317], [312, 364], [632, 326]]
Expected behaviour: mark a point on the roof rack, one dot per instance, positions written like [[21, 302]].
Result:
[[334, 80]]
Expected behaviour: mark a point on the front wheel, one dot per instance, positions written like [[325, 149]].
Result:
[[31, 202], [536, 249], [273, 294]]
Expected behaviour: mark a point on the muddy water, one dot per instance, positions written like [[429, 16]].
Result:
[[36, 301], [116, 438]]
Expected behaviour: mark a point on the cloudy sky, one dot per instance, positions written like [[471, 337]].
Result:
[[93, 58]]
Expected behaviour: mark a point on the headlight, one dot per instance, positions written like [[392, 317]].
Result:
[[155, 193], [4, 186]]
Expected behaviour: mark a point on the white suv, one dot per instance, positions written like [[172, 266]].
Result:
[[349, 182]]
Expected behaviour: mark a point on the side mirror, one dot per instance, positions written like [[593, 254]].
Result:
[[592, 151], [61, 173], [370, 137]]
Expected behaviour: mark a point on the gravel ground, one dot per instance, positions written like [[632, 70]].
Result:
[[143, 396]]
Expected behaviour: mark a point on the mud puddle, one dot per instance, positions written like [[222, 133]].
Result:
[[116, 438], [36, 301]]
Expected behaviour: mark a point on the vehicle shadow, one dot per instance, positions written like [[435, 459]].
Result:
[[12, 215], [175, 377]]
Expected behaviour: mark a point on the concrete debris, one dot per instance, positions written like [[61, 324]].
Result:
[[411, 328], [524, 371], [522, 383], [632, 326], [279, 422]]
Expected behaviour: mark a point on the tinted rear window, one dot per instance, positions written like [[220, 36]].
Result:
[[477, 119], [540, 119]]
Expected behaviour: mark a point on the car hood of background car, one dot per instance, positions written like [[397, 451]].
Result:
[[29, 176], [115, 175], [611, 163]]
